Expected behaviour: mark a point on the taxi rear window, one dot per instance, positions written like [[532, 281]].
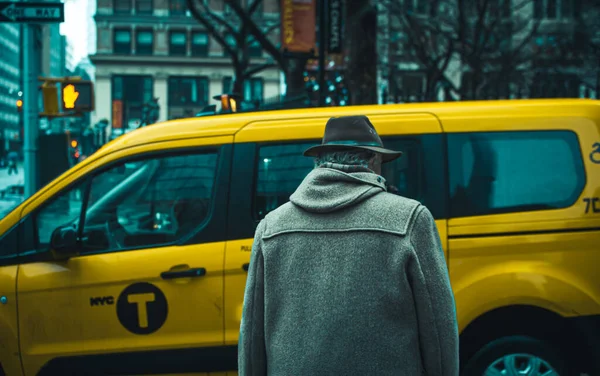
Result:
[[504, 172]]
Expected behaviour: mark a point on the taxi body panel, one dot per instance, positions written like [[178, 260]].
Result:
[[540, 258]]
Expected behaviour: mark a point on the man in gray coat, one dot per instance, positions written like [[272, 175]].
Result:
[[347, 279]]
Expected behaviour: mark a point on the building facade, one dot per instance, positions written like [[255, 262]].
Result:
[[150, 49], [10, 86], [543, 64]]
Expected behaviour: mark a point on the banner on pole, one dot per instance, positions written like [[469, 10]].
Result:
[[336, 14], [298, 21], [117, 114]]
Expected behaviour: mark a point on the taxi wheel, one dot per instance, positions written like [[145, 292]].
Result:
[[517, 355]]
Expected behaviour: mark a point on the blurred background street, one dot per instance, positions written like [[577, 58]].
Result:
[[10, 198]]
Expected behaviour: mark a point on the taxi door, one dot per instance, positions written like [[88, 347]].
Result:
[[9, 331], [268, 167], [144, 296]]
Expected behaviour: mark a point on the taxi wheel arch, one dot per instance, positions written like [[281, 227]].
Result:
[[534, 322]]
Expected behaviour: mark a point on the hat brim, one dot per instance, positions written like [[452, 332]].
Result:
[[387, 155]]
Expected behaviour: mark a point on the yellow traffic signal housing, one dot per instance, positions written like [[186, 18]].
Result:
[[50, 95], [77, 96]]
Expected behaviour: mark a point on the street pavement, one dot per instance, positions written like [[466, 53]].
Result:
[[7, 203]]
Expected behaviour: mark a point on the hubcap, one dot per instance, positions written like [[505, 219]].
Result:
[[520, 365]]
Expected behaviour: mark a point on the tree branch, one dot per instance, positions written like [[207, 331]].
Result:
[[254, 6], [212, 30], [258, 34], [259, 68], [271, 28], [221, 21]]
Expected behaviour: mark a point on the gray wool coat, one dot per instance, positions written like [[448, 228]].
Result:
[[347, 279]]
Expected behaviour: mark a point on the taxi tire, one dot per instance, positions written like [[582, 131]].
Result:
[[484, 357]]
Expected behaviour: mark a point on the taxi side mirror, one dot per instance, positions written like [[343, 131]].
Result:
[[64, 241]]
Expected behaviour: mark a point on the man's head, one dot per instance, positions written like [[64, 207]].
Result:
[[351, 157], [352, 140]]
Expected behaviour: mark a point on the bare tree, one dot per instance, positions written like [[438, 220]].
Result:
[[584, 49], [244, 31], [494, 39], [489, 39], [292, 66], [424, 39]]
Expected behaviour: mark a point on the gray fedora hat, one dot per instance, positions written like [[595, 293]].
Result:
[[351, 133]]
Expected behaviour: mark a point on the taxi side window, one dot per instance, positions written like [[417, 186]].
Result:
[[282, 167], [9, 244], [62, 210], [150, 202], [503, 172]]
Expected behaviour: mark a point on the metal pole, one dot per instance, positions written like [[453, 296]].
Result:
[[322, 49], [30, 108]]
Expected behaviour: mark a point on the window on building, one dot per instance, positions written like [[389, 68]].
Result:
[[555, 85], [418, 6], [144, 6], [129, 94], [177, 7], [413, 84], [186, 91], [254, 48], [231, 42], [553, 9], [227, 85], [122, 41], [254, 89], [417, 175], [144, 43], [178, 43], [200, 43], [485, 166], [122, 6]]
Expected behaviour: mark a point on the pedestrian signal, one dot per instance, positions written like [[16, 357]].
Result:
[[77, 96]]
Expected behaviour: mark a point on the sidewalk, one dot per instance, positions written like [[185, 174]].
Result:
[[6, 179], [9, 202]]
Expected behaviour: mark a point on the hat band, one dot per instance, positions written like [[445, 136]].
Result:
[[353, 143]]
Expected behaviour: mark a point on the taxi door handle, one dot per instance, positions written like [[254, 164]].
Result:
[[245, 267], [195, 272]]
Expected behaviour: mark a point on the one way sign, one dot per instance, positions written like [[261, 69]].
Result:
[[31, 12]]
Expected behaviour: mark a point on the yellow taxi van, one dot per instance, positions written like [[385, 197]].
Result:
[[134, 261]]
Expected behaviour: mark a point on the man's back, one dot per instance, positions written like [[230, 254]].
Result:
[[344, 286]]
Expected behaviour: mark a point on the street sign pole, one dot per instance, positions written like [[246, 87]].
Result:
[[31, 58], [31, 13]]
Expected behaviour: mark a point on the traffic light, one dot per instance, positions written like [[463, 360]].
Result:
[[50, 96], [77, 96], [75, 149], [19, 105]]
